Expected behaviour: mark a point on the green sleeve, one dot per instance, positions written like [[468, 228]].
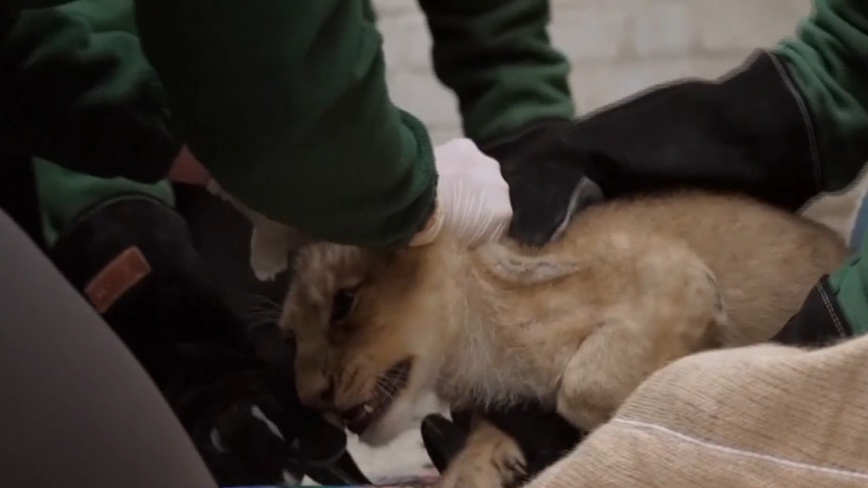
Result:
[[22, 4], [87, 101], [285, 102], [496, 56], [104, 15], [829, 61], [850, 285]]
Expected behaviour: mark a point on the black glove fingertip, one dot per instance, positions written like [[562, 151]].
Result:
[[442, 439]]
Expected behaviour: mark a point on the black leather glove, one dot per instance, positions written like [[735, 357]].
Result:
[[248, 425], [133, 258], [747, 132], [819, 322], [543, 435], [544, 192]]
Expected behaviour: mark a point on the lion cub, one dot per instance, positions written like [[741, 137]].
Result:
[[578, 324]]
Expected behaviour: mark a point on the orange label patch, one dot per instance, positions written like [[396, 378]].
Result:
[[121, 274]]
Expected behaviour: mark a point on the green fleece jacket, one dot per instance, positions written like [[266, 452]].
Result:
[[285, 102], [85, 99], [828, 59]]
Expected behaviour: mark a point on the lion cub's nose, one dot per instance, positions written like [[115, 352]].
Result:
[[319, 394]]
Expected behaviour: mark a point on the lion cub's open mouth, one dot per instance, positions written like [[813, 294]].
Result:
[[389, 385]]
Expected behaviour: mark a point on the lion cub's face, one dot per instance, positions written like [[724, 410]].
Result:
[[369, 334]]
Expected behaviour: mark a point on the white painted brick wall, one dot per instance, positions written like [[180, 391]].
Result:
[[616, 47]]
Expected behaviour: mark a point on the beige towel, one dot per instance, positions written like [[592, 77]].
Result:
[[759, 417]]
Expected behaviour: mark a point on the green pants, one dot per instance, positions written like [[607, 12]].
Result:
[[850, 284]]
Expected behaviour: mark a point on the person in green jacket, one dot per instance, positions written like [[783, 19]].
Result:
[[286, 105], [285, 122], [790, 123], [239, 112]]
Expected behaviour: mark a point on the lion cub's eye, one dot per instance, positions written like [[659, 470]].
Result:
[[343, 303]]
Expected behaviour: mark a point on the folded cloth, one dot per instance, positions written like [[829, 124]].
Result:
[[759, 417], [425, 482]]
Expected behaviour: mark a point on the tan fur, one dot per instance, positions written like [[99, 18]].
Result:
[[578, 324], [490, 458]]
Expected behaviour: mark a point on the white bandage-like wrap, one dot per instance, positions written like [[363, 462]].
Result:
[[472, 196]]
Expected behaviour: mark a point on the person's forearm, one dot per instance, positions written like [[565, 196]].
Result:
[[829, 62], [496, 56], [286, 104], [104, 15], [87, 101], [30, 4]]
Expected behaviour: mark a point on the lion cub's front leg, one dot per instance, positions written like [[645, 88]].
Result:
[[679, 311], [489, 459]]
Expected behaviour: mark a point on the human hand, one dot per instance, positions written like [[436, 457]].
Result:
[[741, 134], [545, 191], [472, 196]]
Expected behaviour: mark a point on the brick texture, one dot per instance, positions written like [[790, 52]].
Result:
[[617, 47]]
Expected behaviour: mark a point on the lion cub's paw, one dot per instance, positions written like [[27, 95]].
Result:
[[490, 459]]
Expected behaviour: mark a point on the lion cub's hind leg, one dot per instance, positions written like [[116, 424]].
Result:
[[490, 459], [679, 311]]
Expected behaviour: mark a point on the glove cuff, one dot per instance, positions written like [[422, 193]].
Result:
[[819, 322], [431, 230], [749, 132], [513, 146]]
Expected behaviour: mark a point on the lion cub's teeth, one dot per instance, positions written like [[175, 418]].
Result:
[[368, 408]]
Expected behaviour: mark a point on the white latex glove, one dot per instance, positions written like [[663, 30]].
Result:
[[472, 202], [472, 196]]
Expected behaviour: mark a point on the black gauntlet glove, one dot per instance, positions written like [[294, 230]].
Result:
[[133, 259], [748, 132], [819, 322], [543, 436], [544, 193]]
